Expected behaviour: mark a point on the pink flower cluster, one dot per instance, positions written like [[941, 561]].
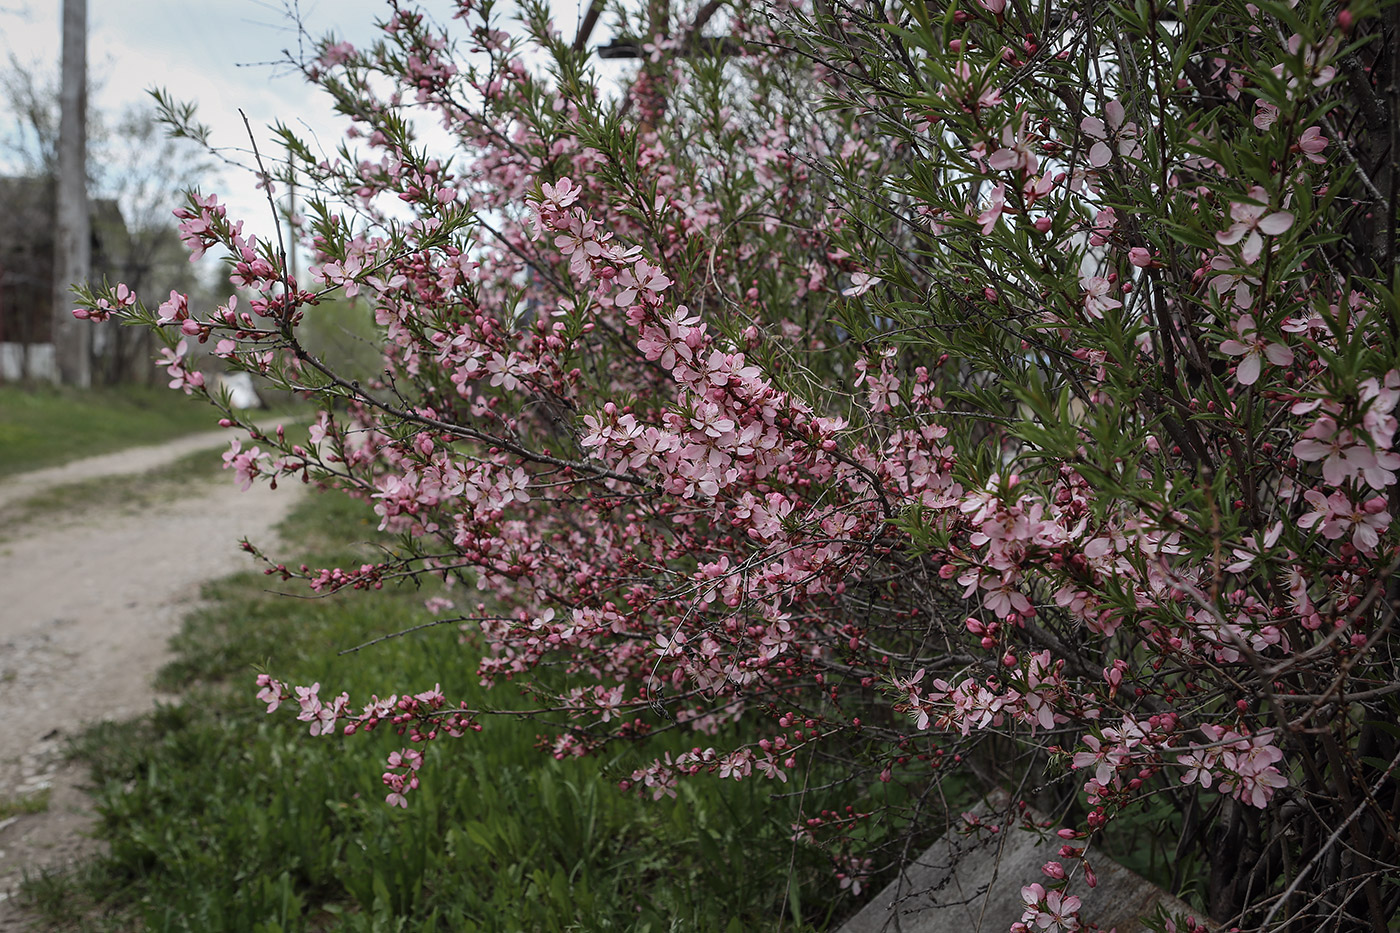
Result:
[[1242, 764], [421, 716]]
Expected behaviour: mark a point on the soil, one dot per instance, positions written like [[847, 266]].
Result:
[[87, 604]]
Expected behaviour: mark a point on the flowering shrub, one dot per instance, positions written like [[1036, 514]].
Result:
[[1028, 408]]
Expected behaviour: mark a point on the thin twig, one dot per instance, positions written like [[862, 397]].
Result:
[[1331, 841], [418, 628]]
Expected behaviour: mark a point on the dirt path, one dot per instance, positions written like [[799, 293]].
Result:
[[131, 460], [87, 603]]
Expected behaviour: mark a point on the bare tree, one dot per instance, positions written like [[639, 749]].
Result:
[[31, 141]]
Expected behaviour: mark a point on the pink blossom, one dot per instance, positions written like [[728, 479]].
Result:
[[270, 691], [559, 195], [1096, 297], [642, 278], [1265, 115], [1123, 135], [1379, 399], [861, 282], [1245, 557], [1312, 143], [1254, 349], [994, 209], [769, 769], [246, 464], [1252, 218], [1100, 757], [1016, 148], [181, 377], [1244, 764], [1344, 457], [1324, 440], [855, 876], [1105, 223], [737, 764], [1049, 909], [1336, 515], [173, 309]]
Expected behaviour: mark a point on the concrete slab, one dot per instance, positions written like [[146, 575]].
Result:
[[972, 884]]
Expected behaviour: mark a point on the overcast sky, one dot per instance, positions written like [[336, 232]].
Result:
[[213, 52]]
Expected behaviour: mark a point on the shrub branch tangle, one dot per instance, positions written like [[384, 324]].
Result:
[[918, 390]]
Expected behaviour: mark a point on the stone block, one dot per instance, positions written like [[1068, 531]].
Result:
[[972, 884]]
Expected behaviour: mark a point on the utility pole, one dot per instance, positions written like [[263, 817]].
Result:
[[291, 213], [72, 254]]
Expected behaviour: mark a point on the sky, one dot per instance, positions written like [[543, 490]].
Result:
[[219, 54]]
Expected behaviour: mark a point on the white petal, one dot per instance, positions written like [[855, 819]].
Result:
[[1279, 354], [1233, 235], [1276, 223], [1248, 372]]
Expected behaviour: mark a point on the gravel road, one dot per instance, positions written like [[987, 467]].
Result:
[[88, 600]]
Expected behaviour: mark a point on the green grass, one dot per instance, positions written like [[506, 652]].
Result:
[[24, 805], [344, 330], [46, 426], [221, 818]]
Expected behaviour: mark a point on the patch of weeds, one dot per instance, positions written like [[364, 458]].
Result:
[[68, 900], [115, 752], [24, 804]]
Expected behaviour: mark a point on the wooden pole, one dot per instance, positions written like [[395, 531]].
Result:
[[73, 237]]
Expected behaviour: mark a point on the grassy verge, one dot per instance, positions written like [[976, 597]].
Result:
[[24, 805], [220, 818], [47, 426], [129, 492]]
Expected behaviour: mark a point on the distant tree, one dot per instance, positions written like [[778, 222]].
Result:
[[31, 138]]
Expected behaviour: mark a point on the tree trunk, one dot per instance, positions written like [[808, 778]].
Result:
[[72, 240]]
